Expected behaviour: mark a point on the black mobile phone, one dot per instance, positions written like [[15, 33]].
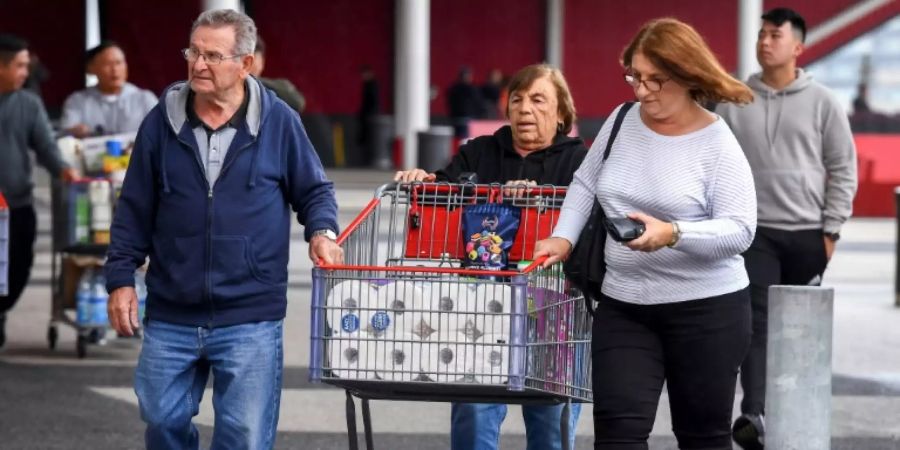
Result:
[[623, 229]]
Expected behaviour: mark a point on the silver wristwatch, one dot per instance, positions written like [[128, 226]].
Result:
[[325, 232]]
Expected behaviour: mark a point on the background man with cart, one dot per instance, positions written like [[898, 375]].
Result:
[[112, 106], [217, 167], [23, 125], [533, 149]]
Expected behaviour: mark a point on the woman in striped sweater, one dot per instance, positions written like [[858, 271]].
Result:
[[674, 307]]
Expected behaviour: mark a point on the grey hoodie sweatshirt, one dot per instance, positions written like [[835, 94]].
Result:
[[801, 151]]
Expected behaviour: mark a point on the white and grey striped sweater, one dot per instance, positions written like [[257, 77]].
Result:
[[701, 180]]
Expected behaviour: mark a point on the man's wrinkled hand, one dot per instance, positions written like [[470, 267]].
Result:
[[122, 308], [325, 251]]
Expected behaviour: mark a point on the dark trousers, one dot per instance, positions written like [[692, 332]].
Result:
[[775, 257], [22, 232], [695, 347]]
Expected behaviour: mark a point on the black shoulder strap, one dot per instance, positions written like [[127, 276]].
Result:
[[620, 117]]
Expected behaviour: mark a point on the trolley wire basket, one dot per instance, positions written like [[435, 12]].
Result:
[[402, 318]]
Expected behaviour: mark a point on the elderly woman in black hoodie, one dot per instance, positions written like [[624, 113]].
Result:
[[533, 149]]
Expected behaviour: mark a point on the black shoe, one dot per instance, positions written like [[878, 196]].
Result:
[[749, 431]]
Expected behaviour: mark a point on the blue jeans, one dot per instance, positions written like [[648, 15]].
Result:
[[476, 426], [246, 363]]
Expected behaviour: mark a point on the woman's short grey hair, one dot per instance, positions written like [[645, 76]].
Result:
[[244, 27]]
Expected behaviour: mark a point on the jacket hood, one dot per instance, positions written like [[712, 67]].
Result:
[[173, 108], [773, 100], [175, 100], [800, 83]]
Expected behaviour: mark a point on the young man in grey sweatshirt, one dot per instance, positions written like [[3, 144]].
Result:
[[798, 142], [23, 125]]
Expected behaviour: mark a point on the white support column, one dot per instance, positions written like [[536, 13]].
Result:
[[412, 60], [555, 15], [749, 12], [92, 32], [209, 5]]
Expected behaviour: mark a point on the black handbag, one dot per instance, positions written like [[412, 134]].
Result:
[[586, 265]]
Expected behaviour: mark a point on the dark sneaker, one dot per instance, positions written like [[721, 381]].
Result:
[[749, 431]]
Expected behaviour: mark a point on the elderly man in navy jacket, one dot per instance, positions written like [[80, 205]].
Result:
[[217, 167]]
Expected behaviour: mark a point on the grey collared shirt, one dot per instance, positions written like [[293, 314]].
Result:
[[213, 143]]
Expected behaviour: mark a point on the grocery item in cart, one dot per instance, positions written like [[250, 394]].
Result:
[[484, 362], [472, 310], [347, 306], [454, 298], [354, 356], [491, 312], [405, 359], [489, 230], [409, 308], [101, 210]]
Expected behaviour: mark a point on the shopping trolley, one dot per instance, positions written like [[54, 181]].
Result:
[[402, 319]]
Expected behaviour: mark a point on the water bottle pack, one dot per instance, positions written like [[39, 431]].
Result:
[[90, 299]]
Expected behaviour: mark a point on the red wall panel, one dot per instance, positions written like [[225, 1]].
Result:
[[152, 36], [320, 46], [55, 30], [502, 34], [596, 33]]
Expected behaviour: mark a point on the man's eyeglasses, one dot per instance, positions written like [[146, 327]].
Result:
[[211, 58], [652, 84]]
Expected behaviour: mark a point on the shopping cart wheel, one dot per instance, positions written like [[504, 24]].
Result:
[[52, 336], [81, 346]]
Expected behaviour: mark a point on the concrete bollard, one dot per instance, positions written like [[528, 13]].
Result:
[[798, 371]]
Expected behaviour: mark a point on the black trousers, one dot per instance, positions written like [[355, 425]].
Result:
[[22, 232], [695, 347], [775, 257]]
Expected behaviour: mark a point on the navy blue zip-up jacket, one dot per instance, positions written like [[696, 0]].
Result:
[[218, 254]]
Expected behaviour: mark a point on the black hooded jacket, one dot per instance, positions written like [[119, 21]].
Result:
[[494, 160]]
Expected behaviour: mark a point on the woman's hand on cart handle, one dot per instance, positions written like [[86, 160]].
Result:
[[556, 249], [409, 176], [323, 250], [122, 308], [519, 188]]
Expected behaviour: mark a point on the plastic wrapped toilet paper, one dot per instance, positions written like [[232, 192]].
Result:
[[454, 301], [411, 308], [485, 362], [353, 357], [400, 359], [445, 361], [492, 313], [491, 364], [347, 307]]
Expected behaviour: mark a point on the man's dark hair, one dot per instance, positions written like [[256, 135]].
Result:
[[10, 46], [92, 53], [779, 16], [260, 45]]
